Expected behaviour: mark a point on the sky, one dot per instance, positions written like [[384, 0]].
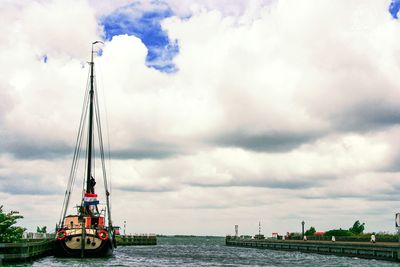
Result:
[[217, 113]]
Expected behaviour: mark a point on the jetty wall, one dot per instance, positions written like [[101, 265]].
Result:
[[25, 251], [380, 251], [136, 240]]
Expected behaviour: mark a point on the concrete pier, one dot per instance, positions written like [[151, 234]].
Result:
[[136, 240], [25, 251], [380, 251]]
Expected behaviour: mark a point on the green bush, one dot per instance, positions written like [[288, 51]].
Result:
[[310, 231], [8, 232], [358, 228], [338, 232], [42, 229]]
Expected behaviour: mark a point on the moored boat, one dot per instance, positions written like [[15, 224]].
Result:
[[89, 232]]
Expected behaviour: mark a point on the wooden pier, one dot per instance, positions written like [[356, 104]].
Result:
[[379, 251]]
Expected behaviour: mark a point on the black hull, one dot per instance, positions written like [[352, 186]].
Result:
[[106, 249]]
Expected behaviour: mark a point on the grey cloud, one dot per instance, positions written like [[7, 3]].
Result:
[[25, 147], [214, 206], [26, 185], [329, 195], [367, 116], [382, 195], [226, 203], [141, 154], [279, 184], [142, 189], [391, 166], [146, 149], [274, 141], [210, 206], [37, 150], [294, 183], [386, 195]]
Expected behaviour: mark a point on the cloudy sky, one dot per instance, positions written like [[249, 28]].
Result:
[[219, 112]]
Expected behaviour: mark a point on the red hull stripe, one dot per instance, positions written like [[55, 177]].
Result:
[[90, 195]]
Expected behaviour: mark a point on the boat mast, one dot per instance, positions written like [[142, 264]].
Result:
[[90, 133]]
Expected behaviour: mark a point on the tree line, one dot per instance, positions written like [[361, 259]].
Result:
[[357, 229]]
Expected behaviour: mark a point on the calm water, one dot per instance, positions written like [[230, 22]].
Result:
[[207, 252]]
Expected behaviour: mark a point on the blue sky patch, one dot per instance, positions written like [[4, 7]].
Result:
[[394, 8], [144, 23]]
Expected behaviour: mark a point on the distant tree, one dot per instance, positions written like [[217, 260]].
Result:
[[8, 232], [42, 229], [338, 232], [310, 231], [294, 236], [358, 228]]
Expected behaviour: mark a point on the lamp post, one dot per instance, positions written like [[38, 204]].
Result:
[[124, 227], [302, 229]]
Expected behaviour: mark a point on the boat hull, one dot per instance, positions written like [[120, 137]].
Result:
[[70, 247]]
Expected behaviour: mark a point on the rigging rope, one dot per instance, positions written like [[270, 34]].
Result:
[[108, 132], [100, 135], [75, 160]]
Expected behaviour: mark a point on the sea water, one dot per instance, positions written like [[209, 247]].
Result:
[[207, 251]]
